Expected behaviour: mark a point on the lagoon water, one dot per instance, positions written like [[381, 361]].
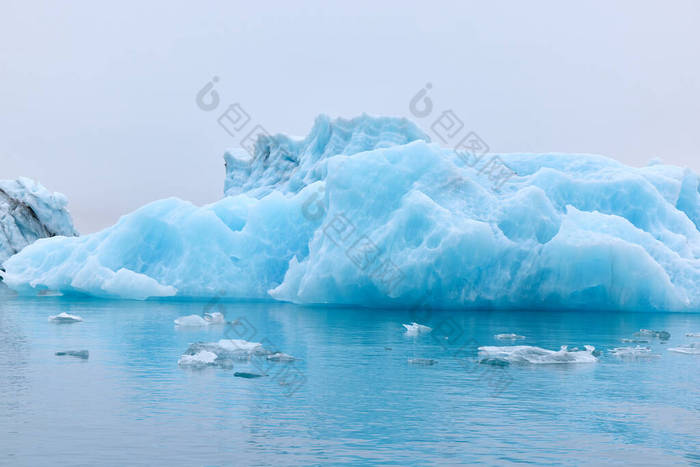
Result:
[[351, 397]]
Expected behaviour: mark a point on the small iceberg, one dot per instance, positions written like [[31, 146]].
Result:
[[240, 374], [84, 354], [511, 336], [693, 334], [199, 321], [663, 335], [633, 352], [191, 321], [65, 318], [422, 361], [280, 357], [537, 355], [690, 349], [415, 329], [224, 352], [214, 318], [200, 359], [241, 347]]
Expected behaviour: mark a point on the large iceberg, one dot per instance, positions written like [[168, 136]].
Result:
[[28, 212], [369, 212]]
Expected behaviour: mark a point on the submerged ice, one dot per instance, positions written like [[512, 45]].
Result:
[[369, 212]]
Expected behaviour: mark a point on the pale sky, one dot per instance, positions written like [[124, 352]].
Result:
[[98, 100]]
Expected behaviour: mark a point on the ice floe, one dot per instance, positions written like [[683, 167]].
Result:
[[633, 352], [198, 360], [225, 352], [537, 355], [65, 318], [191, 321], [663, 335], [415, 329], [511, 336], [280, 357], [200, 321], [692, 349]]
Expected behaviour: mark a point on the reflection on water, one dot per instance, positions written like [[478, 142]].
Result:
[[361, 401]]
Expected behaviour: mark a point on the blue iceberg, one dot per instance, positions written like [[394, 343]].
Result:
[[369, 212]]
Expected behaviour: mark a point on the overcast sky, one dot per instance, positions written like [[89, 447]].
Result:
[[98, 100]]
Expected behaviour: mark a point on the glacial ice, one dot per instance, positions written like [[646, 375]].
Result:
[[691, 349], [633, 352], [214, 318], [369, 212], [232, 349], [663, 335], [199, 321], [537, 355], [280, 357], [198, 360], [415, 329], [28, 212], [191, 321], [225, 352], [65, 318], [509, 336]]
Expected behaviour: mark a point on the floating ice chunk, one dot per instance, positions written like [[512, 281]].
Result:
[[280, 357], [199, 360], [415, 329], [663, 335], [693, 334], [65, 318], [242, 346], [240, 374], [634, 341], [511, 336], [84, 354], [227, 350], [537, 355], [215, 318], [199, 321], [191, 321], [422, 361], [691, 349], [633, 352]]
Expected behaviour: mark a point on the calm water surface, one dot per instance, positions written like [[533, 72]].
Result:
[[351, 398]]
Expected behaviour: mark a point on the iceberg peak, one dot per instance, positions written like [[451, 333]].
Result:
[[287, 164]]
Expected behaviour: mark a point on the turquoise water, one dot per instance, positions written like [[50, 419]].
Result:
[[352, 397]]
